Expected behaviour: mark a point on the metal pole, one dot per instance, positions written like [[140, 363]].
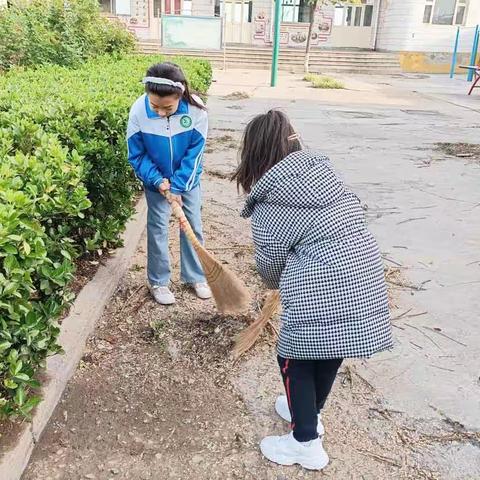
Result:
[[377, 18], [473, 58], [454, 56], [276, 42], [241, 20], [224, 41]]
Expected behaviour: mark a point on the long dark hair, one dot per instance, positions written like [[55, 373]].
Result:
[[267, 139], [173, 72]]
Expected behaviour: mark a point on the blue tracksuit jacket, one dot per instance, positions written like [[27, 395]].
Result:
[[169, 148]]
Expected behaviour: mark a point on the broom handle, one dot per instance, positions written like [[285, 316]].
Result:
[[180, 214]]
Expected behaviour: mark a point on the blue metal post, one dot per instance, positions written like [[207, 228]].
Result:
[[473, 57], [454, 56], [276, 42]]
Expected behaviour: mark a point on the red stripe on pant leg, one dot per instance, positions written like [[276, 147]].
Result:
[[285, 368], [287, 389]]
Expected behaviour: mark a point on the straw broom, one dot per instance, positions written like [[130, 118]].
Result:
[[229, 292], [247, 338]]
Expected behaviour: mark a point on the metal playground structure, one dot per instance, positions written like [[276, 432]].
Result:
[[463, 37]]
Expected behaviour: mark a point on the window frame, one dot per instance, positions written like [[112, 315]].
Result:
[[459, 4], [229, 10], [299, 9], [349, 16]]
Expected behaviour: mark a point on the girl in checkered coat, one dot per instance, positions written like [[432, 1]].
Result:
[[312, 243]]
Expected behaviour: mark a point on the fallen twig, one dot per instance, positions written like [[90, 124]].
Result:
[[424, 334], [443, 197], [442, 368], [129, 299], [380, 458], [473, 437], [413, 315], [411, 220], [445, 335], [473, 263], [392, 261], [402, 315], [417, 288], [424, 208]]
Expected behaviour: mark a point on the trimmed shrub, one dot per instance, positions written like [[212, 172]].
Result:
[[53, 31], [321, 81], [66, 188]]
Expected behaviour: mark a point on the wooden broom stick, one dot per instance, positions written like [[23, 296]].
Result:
[[229, 292], [247, 338]]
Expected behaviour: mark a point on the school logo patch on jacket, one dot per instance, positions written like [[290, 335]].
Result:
[[186, 121]]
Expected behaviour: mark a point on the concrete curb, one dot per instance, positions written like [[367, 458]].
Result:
[[76, 328]]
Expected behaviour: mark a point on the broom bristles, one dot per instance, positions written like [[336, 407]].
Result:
[[247, 338], [229, 292]]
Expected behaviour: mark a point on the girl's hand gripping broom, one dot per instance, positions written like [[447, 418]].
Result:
[[229, 292]]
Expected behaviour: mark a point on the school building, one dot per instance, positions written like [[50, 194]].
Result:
[[421, 31]]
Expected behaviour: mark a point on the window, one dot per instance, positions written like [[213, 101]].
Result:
[[234, 11], [460, 16], [338, 18], [187, 7], [352, 16], [348, 18], [427, 14], [295, 11], [367, 18], [106, 6], [445, 12], [358, 16], [122, 7], [157, 8]]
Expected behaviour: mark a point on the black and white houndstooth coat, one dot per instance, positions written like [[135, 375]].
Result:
[[311, 241]]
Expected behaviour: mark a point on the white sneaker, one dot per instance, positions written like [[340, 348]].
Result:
[[285, 450], [202, 290], [281, 407], [162, 295]]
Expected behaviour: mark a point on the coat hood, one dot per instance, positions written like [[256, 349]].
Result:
[[304, 179]]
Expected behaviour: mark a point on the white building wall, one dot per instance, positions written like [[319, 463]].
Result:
[[203, 8], [401, 28]]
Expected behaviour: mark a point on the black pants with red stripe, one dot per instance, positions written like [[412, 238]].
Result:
[[307, 385]]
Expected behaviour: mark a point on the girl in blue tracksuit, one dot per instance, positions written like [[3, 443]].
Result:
[[167, 130]]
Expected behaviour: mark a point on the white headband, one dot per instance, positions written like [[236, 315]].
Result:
[[164, 81]]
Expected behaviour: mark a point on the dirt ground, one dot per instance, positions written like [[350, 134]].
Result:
[[158, 395]]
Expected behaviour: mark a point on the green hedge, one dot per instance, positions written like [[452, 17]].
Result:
[[38, 32], [65, 188]]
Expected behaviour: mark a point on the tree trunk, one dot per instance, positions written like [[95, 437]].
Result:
[[313, 7]]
